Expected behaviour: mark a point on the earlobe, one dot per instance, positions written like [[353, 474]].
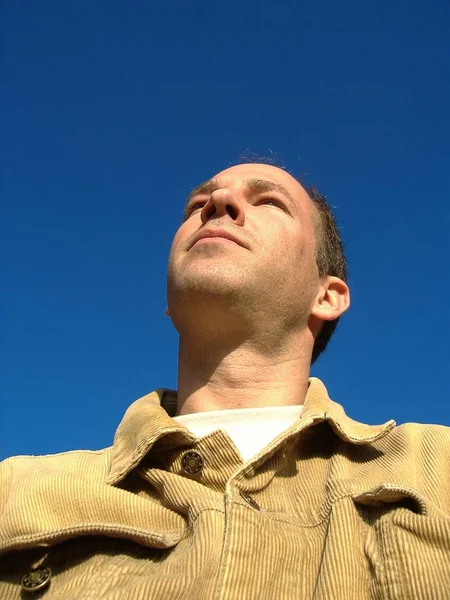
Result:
[[166, 312]]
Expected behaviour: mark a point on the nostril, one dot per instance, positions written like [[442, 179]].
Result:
[[231, 211], [208, 213]]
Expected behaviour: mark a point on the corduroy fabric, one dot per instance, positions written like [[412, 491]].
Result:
[[330, 509]]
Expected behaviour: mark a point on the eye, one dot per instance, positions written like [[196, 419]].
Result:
[[273, 201]]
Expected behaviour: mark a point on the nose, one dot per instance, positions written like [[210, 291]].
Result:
[[224, 201]]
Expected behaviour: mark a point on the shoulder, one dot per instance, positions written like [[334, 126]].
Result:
[[423, 447], [418, 435], [418, 455], [91, 464]]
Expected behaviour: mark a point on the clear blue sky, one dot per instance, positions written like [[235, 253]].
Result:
[[112, 111]]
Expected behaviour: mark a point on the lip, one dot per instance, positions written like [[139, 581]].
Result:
[[216, 233]]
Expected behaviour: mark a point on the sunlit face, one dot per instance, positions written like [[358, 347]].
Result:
[[273, 262]]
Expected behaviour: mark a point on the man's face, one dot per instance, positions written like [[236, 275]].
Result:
[[272, 266]]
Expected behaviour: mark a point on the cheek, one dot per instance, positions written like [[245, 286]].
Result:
[[181, 236], [284, 240], [174, 248], [293, 254]]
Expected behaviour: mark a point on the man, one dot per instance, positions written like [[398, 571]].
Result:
[[248, 481]]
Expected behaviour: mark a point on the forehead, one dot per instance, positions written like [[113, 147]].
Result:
[[239, 174]]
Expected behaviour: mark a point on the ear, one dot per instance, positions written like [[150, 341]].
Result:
[[332, 300], [166, 312]]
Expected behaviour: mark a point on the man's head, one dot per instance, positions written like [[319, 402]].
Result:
[[283, 270]]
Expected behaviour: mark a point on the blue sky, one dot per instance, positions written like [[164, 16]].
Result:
[[112, 111]]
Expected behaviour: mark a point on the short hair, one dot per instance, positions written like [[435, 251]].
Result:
[[330, 257]]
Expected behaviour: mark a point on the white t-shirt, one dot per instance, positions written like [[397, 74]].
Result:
[[251, 429]]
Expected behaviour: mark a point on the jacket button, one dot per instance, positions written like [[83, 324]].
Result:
[[250, 500], [192, 462], [36, 580]]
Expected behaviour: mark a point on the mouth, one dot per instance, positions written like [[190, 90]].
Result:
[[214, 236], [214, 240]]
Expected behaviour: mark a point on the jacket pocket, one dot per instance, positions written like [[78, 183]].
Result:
[[82, 568], [407, 545]]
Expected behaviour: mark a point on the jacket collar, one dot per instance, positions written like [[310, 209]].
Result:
[[145, 422], [318, 405], [149, 419]]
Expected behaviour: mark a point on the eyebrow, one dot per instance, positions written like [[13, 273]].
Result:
[[252, 185]]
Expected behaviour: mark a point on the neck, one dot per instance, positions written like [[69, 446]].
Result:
[[217, 376]]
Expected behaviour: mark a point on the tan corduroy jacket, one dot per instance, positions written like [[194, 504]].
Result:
[[331, 509]]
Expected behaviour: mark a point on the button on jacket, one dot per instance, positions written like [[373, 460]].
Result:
[[330, 509]]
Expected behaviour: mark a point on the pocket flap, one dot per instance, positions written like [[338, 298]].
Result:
[[390, 493], [46, 506]]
